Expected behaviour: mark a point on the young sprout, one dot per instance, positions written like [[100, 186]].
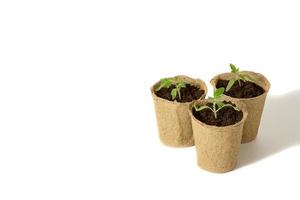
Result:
[[217, 103], [238, 77], [167, 82]]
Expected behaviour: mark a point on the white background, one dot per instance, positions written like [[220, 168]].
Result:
[[76, 116]]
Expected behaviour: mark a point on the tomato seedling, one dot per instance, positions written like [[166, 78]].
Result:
[[217, 103], [167, 82], [238, 77]]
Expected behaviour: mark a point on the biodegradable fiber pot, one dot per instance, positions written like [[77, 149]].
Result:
[[174, 124], [254, 105], [217, 146]]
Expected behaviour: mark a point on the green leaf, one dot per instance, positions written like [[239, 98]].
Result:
[[230, 105], [174, 93], [218, 92], [233, 68], [158, 88], [230, 84], [181, 84], [164, 83], [201, 108], [220, 104], [236, 108], [167, 82], [246, 77]]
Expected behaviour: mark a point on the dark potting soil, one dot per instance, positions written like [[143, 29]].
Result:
[[188, 94], [247, 89], [225, 117]]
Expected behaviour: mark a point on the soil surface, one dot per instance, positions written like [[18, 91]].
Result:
[[225, 117], [188, 94], [247, 89]]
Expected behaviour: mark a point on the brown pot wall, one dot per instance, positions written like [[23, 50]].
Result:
[[217, 147], [254, 105], [174, 123]]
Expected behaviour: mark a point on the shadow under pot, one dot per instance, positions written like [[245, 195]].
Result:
[[174, 124], [218, 138], [252, 94]]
